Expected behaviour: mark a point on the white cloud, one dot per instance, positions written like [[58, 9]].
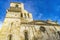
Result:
[[0, 24], [58, 8], [40, 16], [56, 17]]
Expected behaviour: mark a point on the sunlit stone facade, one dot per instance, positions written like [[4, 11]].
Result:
[[19, 25]]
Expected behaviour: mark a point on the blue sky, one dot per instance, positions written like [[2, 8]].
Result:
[[40, 9]]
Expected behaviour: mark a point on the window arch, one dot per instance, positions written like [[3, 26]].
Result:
[[10, 37], [25, 15], [21, 15], [42, 29], [26, 35], [28, 15], [58, 33]]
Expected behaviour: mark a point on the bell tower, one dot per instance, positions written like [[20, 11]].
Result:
[[17, 14], [17, 10]]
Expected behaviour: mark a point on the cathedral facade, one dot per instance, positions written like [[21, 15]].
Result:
[[19, 25]]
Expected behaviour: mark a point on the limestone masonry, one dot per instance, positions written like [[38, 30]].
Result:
[[19, 25]]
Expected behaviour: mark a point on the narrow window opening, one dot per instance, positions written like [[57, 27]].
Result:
[[26, 35], [28, 15], [21, 15], [10, 37], [58, 33], [25, 15]]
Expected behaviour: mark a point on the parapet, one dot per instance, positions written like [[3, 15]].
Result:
[[18, 5]]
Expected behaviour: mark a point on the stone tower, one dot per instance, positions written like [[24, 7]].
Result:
[[15, 15], [19, 25]]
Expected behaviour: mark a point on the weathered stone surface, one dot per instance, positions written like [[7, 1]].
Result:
[[19, 25]]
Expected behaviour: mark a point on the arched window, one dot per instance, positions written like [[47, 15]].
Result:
[[42, 29], [10, 37], [28, 15], [26, 35], [21, 15], [58, 33], [25, 15]]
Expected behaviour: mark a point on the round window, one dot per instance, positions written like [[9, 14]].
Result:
[[42, 29], [16, 6]]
